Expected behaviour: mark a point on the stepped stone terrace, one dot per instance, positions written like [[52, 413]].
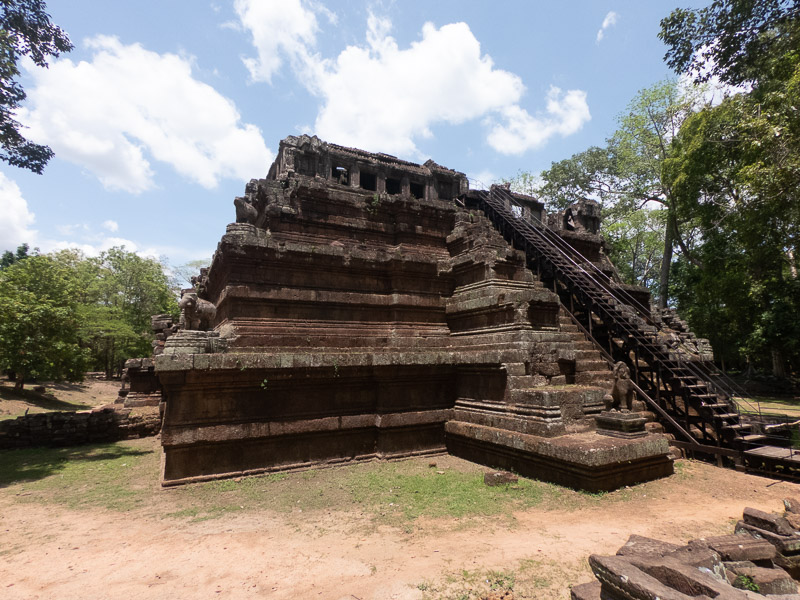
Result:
[[358, 310]]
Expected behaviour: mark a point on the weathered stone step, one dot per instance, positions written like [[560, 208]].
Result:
[[585, 396], [654, 427], [590, 365], [588, 377], [514, 382]]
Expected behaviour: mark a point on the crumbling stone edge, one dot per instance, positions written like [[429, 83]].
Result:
[[104, 424]]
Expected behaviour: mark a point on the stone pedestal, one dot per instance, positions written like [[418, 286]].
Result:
[[189, 342], [626, 425]]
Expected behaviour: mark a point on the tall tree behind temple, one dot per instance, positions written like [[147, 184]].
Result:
[[626, 177], [735, 171]]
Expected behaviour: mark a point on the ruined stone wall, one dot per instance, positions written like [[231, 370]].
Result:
[[75, 428]]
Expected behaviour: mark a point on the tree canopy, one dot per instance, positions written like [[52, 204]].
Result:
[[737, 41], [715, 184], [625, 176], [39, 320], [735, 172], [25, 30], [63, 313]]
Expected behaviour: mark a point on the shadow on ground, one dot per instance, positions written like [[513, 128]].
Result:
[[31, 464], [45, 401]]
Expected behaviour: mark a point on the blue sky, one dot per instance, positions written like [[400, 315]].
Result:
[[166, 108]]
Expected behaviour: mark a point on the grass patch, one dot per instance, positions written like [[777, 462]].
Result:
[[395, 493], [115, 476], [531, 578], [780, 405], [124, 476], [392, 489]]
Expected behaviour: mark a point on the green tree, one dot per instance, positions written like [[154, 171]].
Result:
[[25, 30], [9, 258], [626, 176], [737, 41], [39, 321], [736, 173], [123, 291]]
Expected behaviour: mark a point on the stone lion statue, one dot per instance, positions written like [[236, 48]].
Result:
[[622, 389], [197, 314]]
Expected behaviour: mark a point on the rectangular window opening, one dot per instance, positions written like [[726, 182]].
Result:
[[445, 190], [340, 174], [393, 186], [369, 181], [417, 190], [305, 164]]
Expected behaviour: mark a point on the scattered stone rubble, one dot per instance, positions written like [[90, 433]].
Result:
[[761, 559]]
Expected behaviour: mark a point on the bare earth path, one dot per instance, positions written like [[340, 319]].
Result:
[[49, 551]]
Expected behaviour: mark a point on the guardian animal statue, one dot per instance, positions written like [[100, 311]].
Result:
[[197, 314], [622, 389], [245, 211]]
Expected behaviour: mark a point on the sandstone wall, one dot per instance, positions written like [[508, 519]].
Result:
[[75, 428]]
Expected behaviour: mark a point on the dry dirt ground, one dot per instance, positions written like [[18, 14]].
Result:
[[97, 525], [57, 396]]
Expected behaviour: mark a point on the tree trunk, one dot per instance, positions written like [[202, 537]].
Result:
[[666, 261], [19, 381], [108, 366], [778, 368]]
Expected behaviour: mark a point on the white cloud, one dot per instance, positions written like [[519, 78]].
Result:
[[277, 28], [93, 245], [566, 113], [379, 97], [94, 248], [16, 219], [609, 21], [482, 180], [383, 98], [112, 226], [129, 105]]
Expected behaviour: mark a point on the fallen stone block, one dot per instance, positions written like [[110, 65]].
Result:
[[767, 521], [499, 478], [768, 581], [586, 591], [792, 505], [640, 578], [738, 547], [784, 544], [639, 545]]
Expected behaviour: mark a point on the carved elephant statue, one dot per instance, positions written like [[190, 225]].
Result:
[[196, 313], [622, 389]]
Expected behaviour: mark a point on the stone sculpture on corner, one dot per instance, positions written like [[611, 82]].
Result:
[[196, 314]]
